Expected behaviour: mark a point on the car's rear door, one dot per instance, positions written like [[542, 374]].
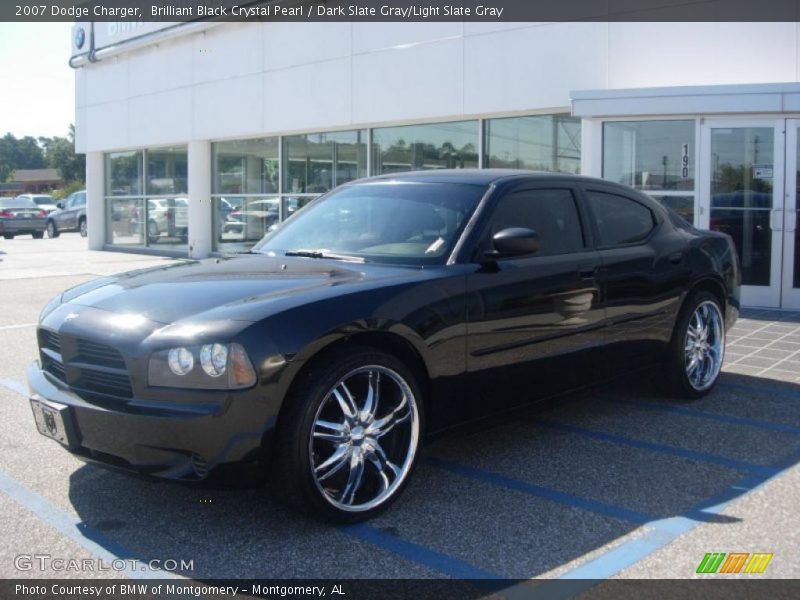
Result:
[[643, 274], [534, 322]]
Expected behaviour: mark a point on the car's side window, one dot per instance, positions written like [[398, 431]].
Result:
[[552, 213], [80, 200], [619, 220]]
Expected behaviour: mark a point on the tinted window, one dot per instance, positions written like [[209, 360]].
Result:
[[551, 213], [17, 203], [619, 220]]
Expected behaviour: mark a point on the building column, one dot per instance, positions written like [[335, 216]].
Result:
[[200, 224], [95, 201]]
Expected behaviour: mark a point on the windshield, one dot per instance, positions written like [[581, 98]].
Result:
[[393, 222], [40, 200]]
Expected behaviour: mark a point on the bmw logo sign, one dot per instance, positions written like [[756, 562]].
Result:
[[80, 38]]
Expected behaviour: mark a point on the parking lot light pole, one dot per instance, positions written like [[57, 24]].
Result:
[[95, 202], [200, 227]]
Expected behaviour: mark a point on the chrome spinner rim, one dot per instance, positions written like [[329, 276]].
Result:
[[364, 438], [704, 346]]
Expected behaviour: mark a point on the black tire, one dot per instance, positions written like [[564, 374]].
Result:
[[8, 236], [82, 227], [52, 230], [37, 235], [152, 232], [674, 380], [294, 459]]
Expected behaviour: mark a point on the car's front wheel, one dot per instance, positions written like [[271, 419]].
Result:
[[349, 438], [697, 350], [52, 230]]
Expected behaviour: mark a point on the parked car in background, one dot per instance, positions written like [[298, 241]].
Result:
[[70, 216], [19, 216], [389, 308], [44, 201], [167, 216]]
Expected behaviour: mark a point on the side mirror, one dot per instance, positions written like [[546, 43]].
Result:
[[60, 205], [513, 241]]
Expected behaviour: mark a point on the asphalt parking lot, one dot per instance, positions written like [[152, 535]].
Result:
[[616, 482]]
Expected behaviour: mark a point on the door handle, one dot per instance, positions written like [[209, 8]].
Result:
[[676, 258], [587, 272], [791, 221]]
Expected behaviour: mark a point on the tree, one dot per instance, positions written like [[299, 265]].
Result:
[[59, 153], [23, 153]]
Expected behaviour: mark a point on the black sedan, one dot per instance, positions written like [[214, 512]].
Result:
[[19, 216], [387, 310]]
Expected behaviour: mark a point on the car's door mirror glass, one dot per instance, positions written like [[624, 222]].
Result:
[[60, 205]]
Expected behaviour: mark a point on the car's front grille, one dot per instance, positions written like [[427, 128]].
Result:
[[99, 354], [89, 368], [49, 339]]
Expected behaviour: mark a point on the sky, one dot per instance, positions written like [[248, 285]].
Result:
[[37, 94]]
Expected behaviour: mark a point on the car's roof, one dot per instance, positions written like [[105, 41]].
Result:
[[469, 176]]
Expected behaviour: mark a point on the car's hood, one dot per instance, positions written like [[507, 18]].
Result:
[[241, 286]]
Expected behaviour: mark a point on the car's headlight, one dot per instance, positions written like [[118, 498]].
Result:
[[213, 366]]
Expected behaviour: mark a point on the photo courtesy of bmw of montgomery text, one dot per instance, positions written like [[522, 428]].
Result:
[[390, 308]]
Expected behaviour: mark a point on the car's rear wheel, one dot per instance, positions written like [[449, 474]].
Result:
[[349, 438], [8, 236], [697, 349], [82, 227], [52, 230], [37, 235]]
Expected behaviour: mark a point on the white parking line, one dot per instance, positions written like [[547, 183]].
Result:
[[22, 326]]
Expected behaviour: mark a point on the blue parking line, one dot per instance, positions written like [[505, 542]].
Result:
[[701, 414], [498, 480], [422, 555], [90, 539], [108, 550], [654, 447], [629, 553], [766, 389]]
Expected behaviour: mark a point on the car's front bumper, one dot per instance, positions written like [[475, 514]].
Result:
[[171, 443]]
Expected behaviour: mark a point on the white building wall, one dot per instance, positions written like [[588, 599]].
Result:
[[243, 80]]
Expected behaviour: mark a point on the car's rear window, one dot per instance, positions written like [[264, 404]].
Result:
[[16, 203]]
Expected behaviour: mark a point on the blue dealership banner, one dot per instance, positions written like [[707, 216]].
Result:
[[144, 11]]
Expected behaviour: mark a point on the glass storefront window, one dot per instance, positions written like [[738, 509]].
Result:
[[650, 155], [683, 205], [246, 166], [240, 221], [125, 221], [124, 173], [316, 162], [431, 146], [146, 198], [167, 171], [540, 143]]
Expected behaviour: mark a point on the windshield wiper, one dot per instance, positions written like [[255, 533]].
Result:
[[320, 254]]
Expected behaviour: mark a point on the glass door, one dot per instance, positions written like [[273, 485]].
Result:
[[742, 194], [791, 216]]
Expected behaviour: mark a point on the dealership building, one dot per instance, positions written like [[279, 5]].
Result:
[[199, 137]]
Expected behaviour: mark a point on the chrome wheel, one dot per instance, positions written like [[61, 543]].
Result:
[[704, 346], [364, 438]]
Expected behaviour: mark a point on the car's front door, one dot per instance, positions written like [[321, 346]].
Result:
[[534, 322], [65, 217], [643, 273]]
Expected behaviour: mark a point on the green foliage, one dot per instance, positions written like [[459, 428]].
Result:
[[59, 153], [66, 190], [22, 153]]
